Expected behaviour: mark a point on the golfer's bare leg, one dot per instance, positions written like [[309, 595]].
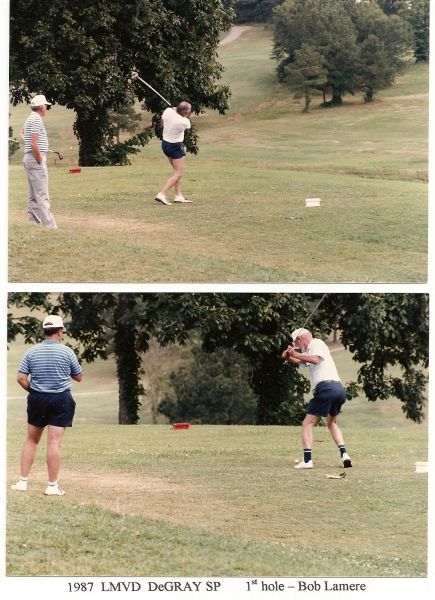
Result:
[[307, 430], [334, 430], [30, 446], [174, 179], [54, 439]]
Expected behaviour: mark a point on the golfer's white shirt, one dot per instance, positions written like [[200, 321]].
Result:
[[174, 126], [326, 369]]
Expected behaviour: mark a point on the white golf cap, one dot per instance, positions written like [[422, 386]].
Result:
[[297, 332], [53, 321], [39, 100]]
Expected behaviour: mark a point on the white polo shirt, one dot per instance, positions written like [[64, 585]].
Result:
[[326, 369], [174, 126]]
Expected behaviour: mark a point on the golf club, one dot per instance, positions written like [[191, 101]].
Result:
[[307, 319], [60, 155], [135, 75]]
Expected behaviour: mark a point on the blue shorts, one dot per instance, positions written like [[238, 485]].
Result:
[[329, 397], [45, 408], [173, 150]]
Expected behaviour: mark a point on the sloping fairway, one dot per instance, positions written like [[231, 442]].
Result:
[[148, 500], [256, 167]]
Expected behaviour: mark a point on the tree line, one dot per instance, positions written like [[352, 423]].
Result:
[[339, 47], [380, 330]]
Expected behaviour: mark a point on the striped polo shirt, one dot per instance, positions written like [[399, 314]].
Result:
[[50, 365], [32, 125]]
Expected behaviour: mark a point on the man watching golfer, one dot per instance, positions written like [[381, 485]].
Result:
[[45, 372], [329, 394], [35, 164], [175, 122]]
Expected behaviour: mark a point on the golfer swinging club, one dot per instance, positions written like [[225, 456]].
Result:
[[45, 372], [175, 122], [329, 394]]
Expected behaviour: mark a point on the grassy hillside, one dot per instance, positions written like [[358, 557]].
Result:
[[256, 166], [221, 501]]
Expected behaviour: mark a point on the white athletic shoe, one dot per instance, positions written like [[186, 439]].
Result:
[[346, 460], [304, 465], [182, 199], [20, 486], [54, 490], [162, 198]]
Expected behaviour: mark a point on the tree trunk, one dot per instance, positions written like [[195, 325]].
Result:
[[337, 97], [89, 129], [127, 362]]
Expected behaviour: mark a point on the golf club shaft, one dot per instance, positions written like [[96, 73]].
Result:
[[151, 88]]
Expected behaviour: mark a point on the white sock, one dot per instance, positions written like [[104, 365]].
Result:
[[23, 478], [52, 482]]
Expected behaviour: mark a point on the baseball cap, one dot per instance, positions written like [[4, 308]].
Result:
[[297, 332], [53, 321], [39, 100]]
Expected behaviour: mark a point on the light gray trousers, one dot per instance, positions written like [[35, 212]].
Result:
[[38, 206]]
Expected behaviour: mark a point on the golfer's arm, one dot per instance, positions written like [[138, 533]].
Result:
[[35, 148], [77, 377], [23, 381], [310, 358]]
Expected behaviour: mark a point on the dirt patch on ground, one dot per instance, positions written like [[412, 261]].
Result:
[[98, 222]]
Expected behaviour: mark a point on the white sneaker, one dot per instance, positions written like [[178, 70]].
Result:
[[346, 460], [54, 490], [162, 198], [304, 465], [182, 199], [20, 486]]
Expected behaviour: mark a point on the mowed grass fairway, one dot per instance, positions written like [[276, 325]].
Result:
[[249, 182], [148, 500]]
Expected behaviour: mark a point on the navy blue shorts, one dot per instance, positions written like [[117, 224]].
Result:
[[173, 150], [45, 408], [329, 397]]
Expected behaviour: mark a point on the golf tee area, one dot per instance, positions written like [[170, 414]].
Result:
[[257, 165], [215, 500]]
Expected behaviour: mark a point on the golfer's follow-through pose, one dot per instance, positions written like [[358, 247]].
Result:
[[45, 372], [329, 394], [175, 122], [35, 164]]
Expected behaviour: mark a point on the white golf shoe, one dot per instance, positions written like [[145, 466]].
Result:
[[20, 486], [346, 460], [304, 465], [162, 199], [182, 199], [54, 489]]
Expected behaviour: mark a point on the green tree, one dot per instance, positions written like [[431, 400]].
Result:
[[306, 74], [213, 389], [327, 28], [417, 14], [81, 55], [343, 32], [375, 72]]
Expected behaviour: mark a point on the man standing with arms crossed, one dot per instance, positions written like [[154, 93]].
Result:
[[45, 372], [35, 164], [329, 394]]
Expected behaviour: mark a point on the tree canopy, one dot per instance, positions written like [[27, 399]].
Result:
[[81, 56], [360, 46]]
